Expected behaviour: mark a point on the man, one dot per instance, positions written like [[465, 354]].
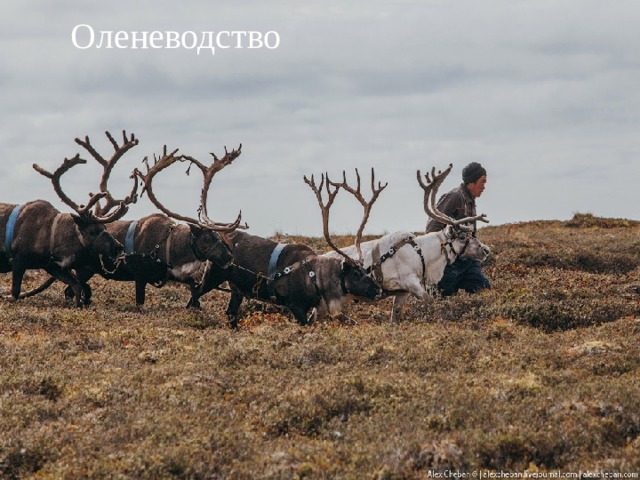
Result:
[[460, 202]]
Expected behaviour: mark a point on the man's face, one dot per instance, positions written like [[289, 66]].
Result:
[[476, 188]]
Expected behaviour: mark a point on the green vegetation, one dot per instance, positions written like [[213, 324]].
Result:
[[540, 373]]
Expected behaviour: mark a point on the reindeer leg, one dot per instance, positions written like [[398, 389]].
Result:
[[72, 281], [141, 287], [86, 292], [77, 287], [300, 314], [82, 275], [233, 307], [69, 293], [415, 289], [194, 301], [319, 312], [17, 276], [398, 302]]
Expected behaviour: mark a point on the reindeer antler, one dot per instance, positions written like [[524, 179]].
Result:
[[332, 189], [67, 164], [168, 159], [430, 188], [365, 205], [326, 184], [113, 209], [208, 174]]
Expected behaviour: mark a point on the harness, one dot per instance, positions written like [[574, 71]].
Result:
[[273, 260], [10, 228], [273, 274], [129, 249], [376, 267], [130, 237], [52, 235], [449, 243]]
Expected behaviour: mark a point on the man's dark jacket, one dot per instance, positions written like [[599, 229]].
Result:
[[458, 203]]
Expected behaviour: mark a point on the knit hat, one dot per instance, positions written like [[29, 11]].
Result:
[[472, 172]]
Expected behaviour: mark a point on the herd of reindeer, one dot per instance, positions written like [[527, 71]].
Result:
[[204, 254]]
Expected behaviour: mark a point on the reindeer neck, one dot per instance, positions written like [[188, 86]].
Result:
[[179, 241]]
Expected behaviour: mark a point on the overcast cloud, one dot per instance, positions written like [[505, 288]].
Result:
[[543, 93]]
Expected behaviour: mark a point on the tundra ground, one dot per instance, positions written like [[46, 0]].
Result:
[[541, 373]]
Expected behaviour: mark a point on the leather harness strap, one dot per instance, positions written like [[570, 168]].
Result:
[[52, 236], [376, 267], [10, 229], [271, 270], [449, 242], [167, 248], [273, 260], [274, 274], [130, 237]]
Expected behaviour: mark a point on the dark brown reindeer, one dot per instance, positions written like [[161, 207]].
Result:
[[293, 275], [159, 249], [38, 236]]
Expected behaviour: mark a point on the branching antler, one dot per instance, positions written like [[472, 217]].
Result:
[[167, 159], [365, 205], [118, 208], [208, 174], [114, 209], [430, 185], [326, 184], [332, 189], [67, 165]]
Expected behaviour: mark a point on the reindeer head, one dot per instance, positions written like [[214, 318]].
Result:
[[464, 243], [357, 281], [210, 245], [96, 239]]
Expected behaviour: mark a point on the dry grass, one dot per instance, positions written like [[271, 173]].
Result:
[[540, 373]]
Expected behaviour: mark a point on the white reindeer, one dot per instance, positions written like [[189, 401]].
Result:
[[405, 263]]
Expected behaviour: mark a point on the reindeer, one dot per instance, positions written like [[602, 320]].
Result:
[[294, 275], [38, 236], [158, 249], [405, 263]]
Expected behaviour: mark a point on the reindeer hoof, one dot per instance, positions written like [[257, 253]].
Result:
[[193, 304], [233, 322]]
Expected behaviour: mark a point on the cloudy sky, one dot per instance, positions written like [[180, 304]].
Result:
[[544, 94]]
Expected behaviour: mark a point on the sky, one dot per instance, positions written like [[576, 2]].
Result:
[[544, 94]]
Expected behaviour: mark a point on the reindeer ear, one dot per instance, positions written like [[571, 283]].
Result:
[[80, 221], [347, 266], [196, 230]]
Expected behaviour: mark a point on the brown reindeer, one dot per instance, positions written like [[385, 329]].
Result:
[[159, 249], [38, 236], [293, 275]]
